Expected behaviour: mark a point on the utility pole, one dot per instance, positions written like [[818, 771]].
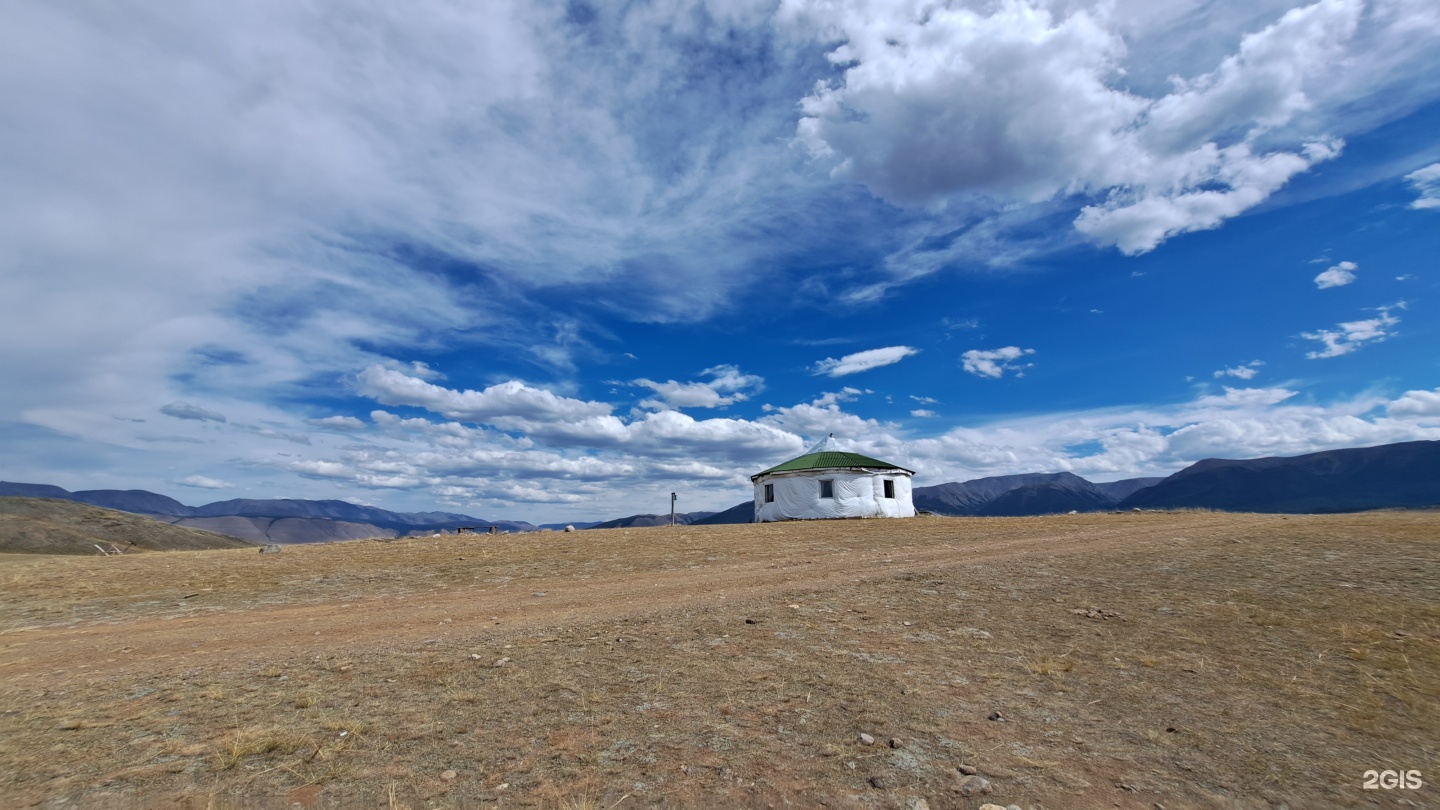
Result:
[[672, 510]]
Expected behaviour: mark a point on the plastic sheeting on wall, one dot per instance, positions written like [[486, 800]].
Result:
[[857, 494]]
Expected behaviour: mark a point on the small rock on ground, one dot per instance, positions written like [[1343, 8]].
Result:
[[448, 775], [866, 739], [968, 770], [916, 803], [973, 786]]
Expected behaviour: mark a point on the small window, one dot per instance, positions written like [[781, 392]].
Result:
[[769, 493], [889, 488], [827, 488]]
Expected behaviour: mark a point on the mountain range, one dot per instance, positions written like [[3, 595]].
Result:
[[1391, 476], [270, 521], [1405, 475]]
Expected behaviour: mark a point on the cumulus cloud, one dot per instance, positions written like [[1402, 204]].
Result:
[[1337, 275], [201, 482], [994, 363], [726, 387], [185, 410], [922, 413], [845, 394], [512, 400], [1350, 336], [1426, 182], [1243, 372], [1241, 423], [1416, 403], [863, 361], [564, 422], [1017, 102]]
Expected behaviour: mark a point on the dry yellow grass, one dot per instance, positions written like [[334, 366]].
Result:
[[1190, 659]]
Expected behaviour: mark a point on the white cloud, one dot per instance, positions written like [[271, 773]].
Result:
[[1336, 275], [815, 421], [994, 363], [1240, 397], [1243, 372], [563, 422], [1427, 184], [1350, 336], [201, 482], [845, 394], [185, 410], [863, 361], [504, 402], [1043, 114], [726, 387], [922, 413], [1241, 423], [337, 423], [1416, 403], [925, 400]]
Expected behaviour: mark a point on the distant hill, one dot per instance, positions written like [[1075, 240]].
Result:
[[739, 513], [578, 524], [55, 526], [1060, 493], [282, 530], [133, 500], [1120, 490], [1026, 494], [1388, 476], [271, 521], [640, 521]]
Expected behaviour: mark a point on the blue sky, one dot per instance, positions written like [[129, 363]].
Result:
[[552, 261]]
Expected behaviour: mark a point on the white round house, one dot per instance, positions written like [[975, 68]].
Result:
[[828, 482]]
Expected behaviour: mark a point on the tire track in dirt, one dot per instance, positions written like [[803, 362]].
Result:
[[238, 634]]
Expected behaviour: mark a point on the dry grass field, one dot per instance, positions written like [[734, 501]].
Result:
[[1137, 660]]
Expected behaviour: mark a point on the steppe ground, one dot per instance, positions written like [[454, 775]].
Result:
[[1135, 660]]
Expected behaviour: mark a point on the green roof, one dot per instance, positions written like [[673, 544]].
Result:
[[830, 460]]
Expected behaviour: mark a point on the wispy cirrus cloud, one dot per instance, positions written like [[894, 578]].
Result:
[[863, 361], [1426, 182]]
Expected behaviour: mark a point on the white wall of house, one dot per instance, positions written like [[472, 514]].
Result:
[[856, 494]]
